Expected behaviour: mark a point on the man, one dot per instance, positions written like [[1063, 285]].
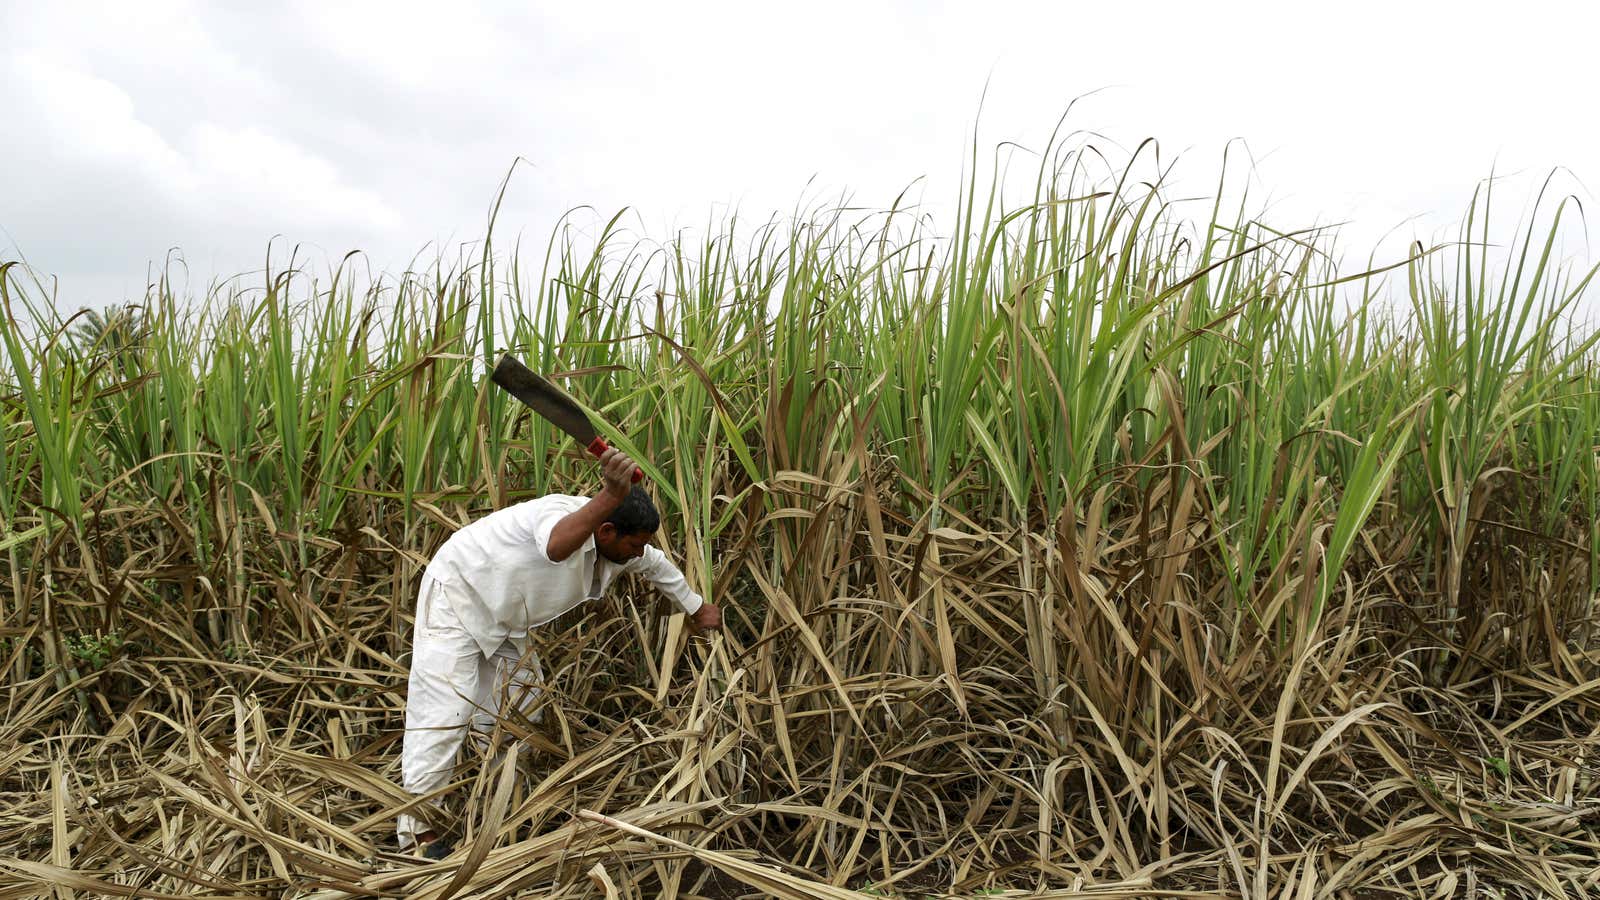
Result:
[[491, 582]]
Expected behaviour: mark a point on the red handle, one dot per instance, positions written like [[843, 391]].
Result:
[[599, 446]]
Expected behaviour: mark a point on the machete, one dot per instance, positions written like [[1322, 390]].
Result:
[[548, 401]]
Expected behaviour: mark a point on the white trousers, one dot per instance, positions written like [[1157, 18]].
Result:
[[452, 685]]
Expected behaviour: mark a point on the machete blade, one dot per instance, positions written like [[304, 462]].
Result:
[[543, 398]]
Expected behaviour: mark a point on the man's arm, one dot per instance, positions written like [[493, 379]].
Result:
[[660, 571], [576, 527]]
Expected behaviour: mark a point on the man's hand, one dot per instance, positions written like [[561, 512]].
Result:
[[617, 469], [706, 618], [575, 527]]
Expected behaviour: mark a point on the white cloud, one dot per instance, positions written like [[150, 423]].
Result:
[[78, 119], [254, 173], [385, 127]]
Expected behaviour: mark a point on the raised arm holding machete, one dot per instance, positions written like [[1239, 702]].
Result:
[[507, 573]]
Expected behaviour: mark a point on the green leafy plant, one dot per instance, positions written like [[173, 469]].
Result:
[[94, 650]]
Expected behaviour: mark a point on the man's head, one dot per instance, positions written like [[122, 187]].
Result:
[[632, 524]]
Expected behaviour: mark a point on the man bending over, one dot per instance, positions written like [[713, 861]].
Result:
[[493, 581]]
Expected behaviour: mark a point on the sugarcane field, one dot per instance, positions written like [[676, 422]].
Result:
[[1098, 529]]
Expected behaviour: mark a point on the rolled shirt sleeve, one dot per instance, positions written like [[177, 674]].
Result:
[[660, 571], [539, 532]]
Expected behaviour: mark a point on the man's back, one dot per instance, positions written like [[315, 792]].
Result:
[[505, 579]]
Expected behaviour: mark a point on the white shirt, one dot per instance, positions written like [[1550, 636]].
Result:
[[507, 584]]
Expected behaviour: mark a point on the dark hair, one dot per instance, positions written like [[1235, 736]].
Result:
[[636, 513]]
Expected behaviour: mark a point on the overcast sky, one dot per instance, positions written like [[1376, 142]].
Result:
[[135, 128]]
